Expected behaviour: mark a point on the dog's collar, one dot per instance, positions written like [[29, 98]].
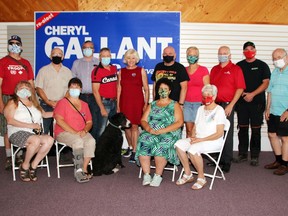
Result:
[[115, 126]]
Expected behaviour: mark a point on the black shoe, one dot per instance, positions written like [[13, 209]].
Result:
[[241, 158], [127, 153], [254, 162], [132, 158], [226, 167], [8, 164]]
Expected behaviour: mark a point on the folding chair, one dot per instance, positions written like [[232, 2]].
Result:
[[216, 161], [44, 163], [174, 169]]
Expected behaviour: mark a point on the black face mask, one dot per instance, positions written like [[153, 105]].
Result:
[[168, 59], [56, 59]]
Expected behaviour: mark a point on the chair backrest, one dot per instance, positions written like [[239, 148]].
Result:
[[226, 129]]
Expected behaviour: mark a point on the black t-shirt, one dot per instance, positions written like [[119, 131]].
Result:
[[254, 74], [176, 73]]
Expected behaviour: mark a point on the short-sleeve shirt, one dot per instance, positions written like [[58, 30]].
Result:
[[71, 116], [227, 79], [176, 73], [107, 80], [196, 84], [278, 87], [12, 72], [254, 74], [53, 83]]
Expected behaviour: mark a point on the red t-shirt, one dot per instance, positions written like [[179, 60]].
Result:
[[227, 79], [71, 116], [12, 72], [107, 80]]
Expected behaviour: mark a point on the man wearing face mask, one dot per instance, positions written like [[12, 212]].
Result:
[[104, 87], [13, 69], [251, 105], [51, 85], [276, 112], [229, 80], [174, 72]]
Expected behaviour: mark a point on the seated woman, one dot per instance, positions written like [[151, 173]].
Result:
[[24, 120], [162, 122], [73, 121], [207, 135]]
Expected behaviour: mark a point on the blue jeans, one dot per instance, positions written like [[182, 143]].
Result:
[[47, 122], [99, 121]]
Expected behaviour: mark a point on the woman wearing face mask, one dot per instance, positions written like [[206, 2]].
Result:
[[207, 136], [199, 76], [161, 124], [73, 121], [24, 120]]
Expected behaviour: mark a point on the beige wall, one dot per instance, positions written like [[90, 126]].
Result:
[[211, 11]]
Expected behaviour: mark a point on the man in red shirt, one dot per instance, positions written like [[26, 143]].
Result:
[[13, 68], [229, 80]]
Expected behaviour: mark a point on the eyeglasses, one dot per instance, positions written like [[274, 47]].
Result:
[[17, 43]]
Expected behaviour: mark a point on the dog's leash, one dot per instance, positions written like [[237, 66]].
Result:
[[115, 126]]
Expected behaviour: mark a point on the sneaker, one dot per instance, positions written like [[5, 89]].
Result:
[[146, 179], [8, 164], [241, 158], [132, 158], [254, 162], [156, 181], [127, 153]]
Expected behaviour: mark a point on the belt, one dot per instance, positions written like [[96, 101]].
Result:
[[222, 103], [87, 94], [108, 99]]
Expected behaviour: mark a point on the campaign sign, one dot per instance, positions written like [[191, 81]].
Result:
[[147, 32]]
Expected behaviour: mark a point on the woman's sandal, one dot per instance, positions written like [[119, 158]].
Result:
[[33, 174], [88, 175], [199, 184], [185, 179], [24, 174]]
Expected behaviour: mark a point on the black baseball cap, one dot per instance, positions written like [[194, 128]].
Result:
[[248, 43]]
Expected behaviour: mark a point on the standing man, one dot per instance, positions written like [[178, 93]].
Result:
[[251, 106], [277, 112], [13, 68], [52, 85], [229, 80], [173, 71], [104, 87]]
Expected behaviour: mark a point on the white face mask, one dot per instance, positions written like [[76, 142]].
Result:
[[280, 63], [14, 48]]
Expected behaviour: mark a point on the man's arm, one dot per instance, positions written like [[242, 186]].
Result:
[[43, 96], [95, 89], [230, 106], [1, 100], [248, 96]]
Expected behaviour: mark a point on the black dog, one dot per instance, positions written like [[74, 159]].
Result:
[[108, 148]]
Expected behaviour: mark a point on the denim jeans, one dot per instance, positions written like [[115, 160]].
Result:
[[47, 122]]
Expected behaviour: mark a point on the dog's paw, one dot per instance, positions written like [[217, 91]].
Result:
[[115, 170]]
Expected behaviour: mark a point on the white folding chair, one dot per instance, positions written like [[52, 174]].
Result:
[[216, 161], [44, 163], [174, 169]]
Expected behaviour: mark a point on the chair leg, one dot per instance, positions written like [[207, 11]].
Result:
[[57, 159], [140, 172], [47, 166]]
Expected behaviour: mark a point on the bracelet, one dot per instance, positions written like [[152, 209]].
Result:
[[181, 104]]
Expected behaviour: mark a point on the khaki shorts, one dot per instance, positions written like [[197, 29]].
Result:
[[3, 122]]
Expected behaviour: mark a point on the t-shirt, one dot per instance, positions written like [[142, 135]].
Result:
[[176, 73], [227, 79], [12, 72], [195, 84], [107, 80], [254, 74], [71, 116]]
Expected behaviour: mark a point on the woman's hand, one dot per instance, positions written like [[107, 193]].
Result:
[[194, 140], [35, 126], [81, 133]]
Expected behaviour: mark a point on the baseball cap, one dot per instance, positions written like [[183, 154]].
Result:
[[248, 43], [15, 37]]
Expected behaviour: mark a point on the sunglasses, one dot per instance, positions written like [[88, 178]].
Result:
[[17, 43]]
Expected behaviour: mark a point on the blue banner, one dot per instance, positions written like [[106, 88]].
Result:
[[147, 32]]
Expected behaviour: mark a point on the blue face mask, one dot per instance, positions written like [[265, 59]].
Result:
[[14, 48], [24, 93], [192, 59], [223, 58], [105, 60], [74, 93], [87, 52]]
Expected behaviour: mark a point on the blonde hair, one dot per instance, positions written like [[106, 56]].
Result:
[[192, 48], [131, 52]]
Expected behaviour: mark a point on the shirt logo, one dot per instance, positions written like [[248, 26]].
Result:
[[227, 72], [109, 79]]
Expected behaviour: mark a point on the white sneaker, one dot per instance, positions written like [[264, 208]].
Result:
[[146, 179], [156, 181]]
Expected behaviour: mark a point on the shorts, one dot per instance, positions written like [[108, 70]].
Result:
[[275, 126], [3, 122], [190, 111], [20, 138]]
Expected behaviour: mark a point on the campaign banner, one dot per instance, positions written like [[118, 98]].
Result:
[[147, 32]]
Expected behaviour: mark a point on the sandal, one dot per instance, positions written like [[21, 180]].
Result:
[[24, 174], [33, 174], [185, 179], [88, 175], [201, 182]]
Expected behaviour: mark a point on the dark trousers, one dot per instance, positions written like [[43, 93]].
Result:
[[47, 122]]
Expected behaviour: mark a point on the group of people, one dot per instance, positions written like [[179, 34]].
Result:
[[76, 105]]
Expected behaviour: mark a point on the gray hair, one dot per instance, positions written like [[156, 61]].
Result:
[[210, 89]]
